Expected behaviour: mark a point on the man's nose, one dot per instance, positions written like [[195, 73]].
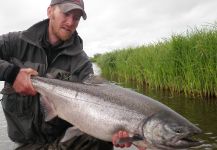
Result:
[[70, 20]]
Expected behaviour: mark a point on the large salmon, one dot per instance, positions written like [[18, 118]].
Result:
[[102, 109]]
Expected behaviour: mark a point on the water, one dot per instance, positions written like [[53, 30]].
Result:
[[201, 112]]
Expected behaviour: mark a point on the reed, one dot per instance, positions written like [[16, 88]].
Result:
[[185, 63]]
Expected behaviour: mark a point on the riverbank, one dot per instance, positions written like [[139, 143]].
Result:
[[185, 63], [201, 112]]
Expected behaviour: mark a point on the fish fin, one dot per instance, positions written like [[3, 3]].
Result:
[[130, 139], [94, 80], [70, 133], [48, 108]]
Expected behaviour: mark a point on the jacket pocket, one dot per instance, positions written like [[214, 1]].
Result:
[[20, 117]]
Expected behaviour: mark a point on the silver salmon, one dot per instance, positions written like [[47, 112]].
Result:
[[101, 109]]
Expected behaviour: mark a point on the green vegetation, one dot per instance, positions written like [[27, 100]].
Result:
[[185, 63]]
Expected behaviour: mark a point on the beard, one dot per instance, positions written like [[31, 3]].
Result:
[[60, 31], [64, 34]]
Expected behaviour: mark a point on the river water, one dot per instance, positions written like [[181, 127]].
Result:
[[201, 112]]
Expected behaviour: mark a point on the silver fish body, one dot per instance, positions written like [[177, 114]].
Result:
[[103, 109]]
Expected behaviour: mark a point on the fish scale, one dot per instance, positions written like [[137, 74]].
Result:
[[103, 109]]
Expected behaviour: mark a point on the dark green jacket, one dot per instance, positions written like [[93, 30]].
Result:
[[24, 49]]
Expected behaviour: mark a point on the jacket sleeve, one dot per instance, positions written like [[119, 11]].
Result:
[[85, 67], [8, 71], [86, 71]]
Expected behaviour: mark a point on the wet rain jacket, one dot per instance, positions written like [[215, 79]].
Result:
[[25, 49]]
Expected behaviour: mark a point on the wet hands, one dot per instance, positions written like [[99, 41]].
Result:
[[121, 135], [23, 84]]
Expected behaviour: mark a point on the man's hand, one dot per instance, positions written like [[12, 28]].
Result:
[[23, 84], [119, 135], [122, 134]]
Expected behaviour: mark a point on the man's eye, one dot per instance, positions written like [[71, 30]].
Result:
[[77, 18], [67, 14]]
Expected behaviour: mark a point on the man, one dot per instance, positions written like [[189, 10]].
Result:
[[51, 48]]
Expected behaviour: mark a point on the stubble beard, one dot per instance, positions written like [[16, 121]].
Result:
[[60, 32]]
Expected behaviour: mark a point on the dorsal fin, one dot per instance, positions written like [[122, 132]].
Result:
[[94, 80]]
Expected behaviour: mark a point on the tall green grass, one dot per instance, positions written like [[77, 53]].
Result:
[[185, 63]]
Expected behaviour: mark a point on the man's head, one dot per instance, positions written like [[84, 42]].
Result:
[[68, 5], [64, 17]]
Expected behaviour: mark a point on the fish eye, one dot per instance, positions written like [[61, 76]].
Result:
[[178, 130]]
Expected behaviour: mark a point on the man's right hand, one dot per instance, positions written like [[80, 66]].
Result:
[[123, 134], [23, 84]]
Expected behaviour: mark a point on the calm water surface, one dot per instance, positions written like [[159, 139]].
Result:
[[201, 112]]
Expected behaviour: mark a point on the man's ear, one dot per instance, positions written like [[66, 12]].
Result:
[[49, 11]]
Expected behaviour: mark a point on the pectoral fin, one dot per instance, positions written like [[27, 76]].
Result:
[[48, 108], [70, 133], [130, 139]]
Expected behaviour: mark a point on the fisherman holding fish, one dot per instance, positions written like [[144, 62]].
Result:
[[50, 48]]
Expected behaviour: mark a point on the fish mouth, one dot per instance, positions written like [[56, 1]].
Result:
[[181, 143], [185, 142]]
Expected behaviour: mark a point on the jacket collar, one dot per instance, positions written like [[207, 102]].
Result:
[[34, 35]]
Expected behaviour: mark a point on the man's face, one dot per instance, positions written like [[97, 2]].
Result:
[[63, 25]]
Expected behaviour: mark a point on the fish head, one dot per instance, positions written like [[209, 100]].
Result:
[[169, 130]]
